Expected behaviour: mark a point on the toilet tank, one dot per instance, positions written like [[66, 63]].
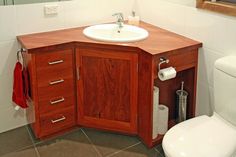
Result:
[[225, 88]]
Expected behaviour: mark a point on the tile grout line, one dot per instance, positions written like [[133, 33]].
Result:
[[91, 143], [45, 140], [123, 149], [37, 152], [20, 149], [158, 152], [25, 147], [31, 137]]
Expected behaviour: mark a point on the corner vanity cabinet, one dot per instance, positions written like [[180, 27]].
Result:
[[76, 81]]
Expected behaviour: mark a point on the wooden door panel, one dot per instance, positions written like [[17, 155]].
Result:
[[107, 89]]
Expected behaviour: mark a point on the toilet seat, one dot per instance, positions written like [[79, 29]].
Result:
[[201, 137]]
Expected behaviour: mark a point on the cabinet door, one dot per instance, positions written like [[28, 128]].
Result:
[[107, 89]]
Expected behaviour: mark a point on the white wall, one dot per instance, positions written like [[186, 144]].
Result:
[[183, 2], [23, 19], [216, 31]]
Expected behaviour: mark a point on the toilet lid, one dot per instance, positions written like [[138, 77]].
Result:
[[201, 137]]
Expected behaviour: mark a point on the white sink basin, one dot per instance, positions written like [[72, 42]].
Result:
[[112, 33]]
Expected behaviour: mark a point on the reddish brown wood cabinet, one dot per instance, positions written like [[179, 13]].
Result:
[[113, 89], [185, 62], [107, 89], [52, 91]]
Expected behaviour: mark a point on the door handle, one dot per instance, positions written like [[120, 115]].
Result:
[[56, 82], [55, 62], [58, 120], [78, 73], [52, 102]]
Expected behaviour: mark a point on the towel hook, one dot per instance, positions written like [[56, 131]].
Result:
[[19, 52]]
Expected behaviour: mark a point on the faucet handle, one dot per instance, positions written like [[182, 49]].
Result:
[[119, 16]]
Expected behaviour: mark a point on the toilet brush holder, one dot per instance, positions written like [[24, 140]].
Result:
[[181, 104]]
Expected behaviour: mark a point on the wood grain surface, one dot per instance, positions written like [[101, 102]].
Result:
[[107, 88], [159, 40]]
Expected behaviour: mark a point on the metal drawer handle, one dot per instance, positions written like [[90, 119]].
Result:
[[57, 101], [55, 62], [56, 82], [58, 120]]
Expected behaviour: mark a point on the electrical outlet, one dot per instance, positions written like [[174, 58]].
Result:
[[51, 9]]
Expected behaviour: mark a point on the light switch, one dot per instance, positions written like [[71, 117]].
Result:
[[51, 9]]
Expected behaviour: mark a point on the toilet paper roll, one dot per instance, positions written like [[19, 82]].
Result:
[[167, 73], [155, 112], [162, 119], [156, 95]]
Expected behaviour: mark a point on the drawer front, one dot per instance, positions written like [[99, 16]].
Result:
[[180, 61], [50, 92], [57, 121], [56, 103], [51, 61], [55, 78]]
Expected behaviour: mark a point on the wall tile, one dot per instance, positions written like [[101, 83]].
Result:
[[207, 58], [203, 100], [31, 18], [81, 13], [7, 23], [212, 102], [191, 3], [202, 26], [202, 67], [10, 119], [227, 36], [8, 56], [163, 14], [216, 31], [6, 84]]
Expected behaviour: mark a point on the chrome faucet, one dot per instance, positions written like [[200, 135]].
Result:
[[120, 19]]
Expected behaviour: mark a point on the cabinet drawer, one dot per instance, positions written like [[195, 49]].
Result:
[[57, 121], [55, 77], [51, 61], [180, 61], [57, 90], [56, 103]]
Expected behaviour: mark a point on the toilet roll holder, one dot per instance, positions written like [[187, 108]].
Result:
[[162, 61]]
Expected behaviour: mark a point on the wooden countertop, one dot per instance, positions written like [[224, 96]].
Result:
[[159, 40]]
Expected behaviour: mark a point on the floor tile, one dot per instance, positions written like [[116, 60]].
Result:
[[33, 138], [160, 149], [27, 152], [37, 140], [14, 140], [74, 144], [108, 143], [138, 151]]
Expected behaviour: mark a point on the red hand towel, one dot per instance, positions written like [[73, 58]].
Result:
[[18, 95]]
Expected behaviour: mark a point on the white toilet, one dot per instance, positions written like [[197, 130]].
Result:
[[209, 136]]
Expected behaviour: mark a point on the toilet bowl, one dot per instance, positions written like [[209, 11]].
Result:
[[213, 136], [201, 137]]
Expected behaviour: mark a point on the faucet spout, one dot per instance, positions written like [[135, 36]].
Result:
[[120, 19]]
